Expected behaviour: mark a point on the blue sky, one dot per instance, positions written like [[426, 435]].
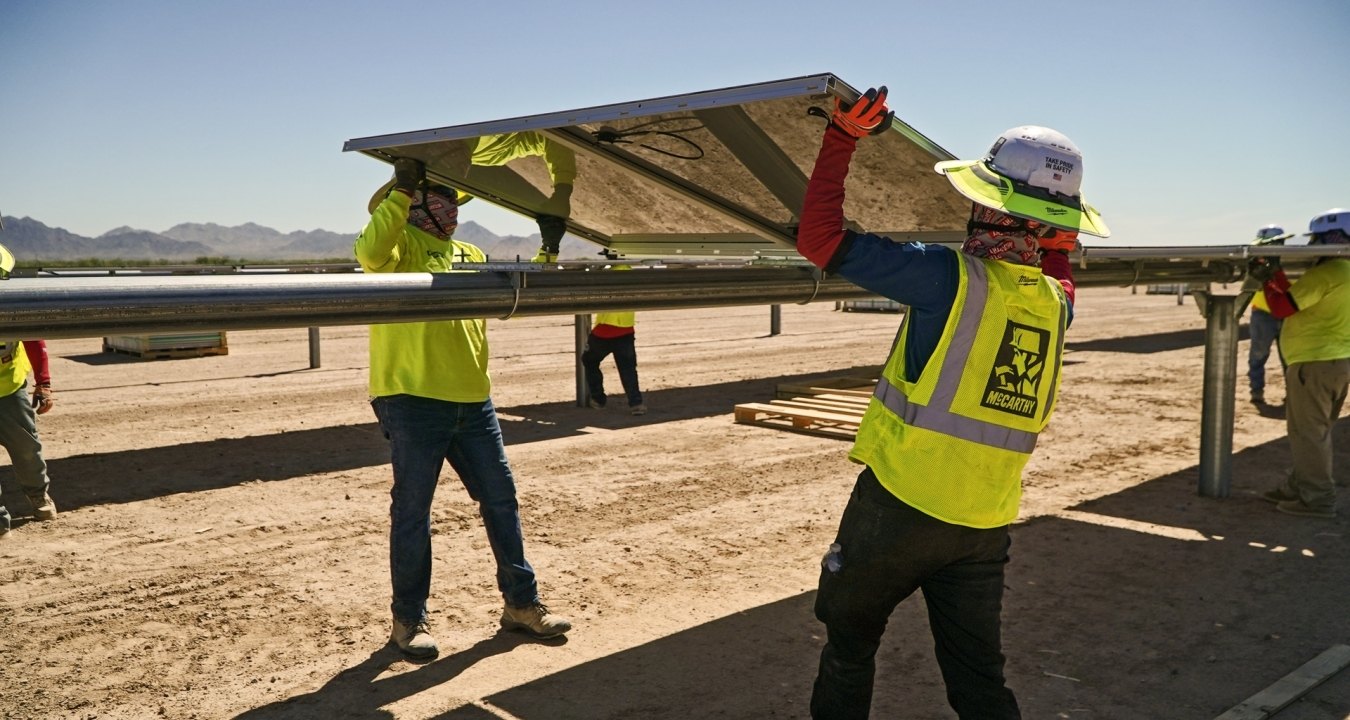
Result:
[[1200, 121]]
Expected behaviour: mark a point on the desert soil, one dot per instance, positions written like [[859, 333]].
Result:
[[221, 550]]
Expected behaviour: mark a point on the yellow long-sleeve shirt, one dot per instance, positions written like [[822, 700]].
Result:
[[440, 359]]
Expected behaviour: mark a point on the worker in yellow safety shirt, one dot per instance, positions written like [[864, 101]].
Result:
[[1315, 341], [1263, 327], [971, 381], [18, 417], [613, 334], [431, 394]]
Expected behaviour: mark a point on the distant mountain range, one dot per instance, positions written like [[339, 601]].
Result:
[[32, 241]]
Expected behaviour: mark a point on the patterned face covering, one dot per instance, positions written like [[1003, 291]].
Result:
[[435, 210], [1330, 237], [999, 236]]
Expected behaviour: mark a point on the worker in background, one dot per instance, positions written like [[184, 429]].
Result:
[[18, 416], [431, 394], [971, 380], [613, 333], [1315, 342], [488, 166], [1264, 327]]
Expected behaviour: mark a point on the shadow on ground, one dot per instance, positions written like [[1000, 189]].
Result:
[[1150, 603], [133, 475], [363, 693], [1145, 344]]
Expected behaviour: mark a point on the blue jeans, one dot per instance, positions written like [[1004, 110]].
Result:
[[1265, 330], [19, 435], [625, 358], [424, 433], [890, 550]]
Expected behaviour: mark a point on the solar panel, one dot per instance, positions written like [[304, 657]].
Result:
[[719, 172]]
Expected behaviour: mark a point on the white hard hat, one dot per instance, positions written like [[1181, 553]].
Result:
[[1039, 157], [1031, 172], [1269, 231], [1335, 219]]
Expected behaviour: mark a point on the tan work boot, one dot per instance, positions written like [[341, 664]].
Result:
[[43, 507], [414, 640], [536, 620]]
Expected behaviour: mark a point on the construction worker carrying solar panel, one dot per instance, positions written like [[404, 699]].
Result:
[[971, 380], [1315, 341], [431, 393]]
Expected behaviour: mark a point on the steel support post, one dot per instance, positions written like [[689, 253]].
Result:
[[582, 331], [775, 319], [1220, 383], [313, 347]]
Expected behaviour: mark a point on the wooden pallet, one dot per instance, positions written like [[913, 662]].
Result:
[[169, 353], [168, 347], [844, 385], [832, 408]]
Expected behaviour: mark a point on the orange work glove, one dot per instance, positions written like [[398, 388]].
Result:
[[868, 116], [1066, 240]]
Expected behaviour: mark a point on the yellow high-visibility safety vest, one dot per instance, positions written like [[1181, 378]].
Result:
[[953, 443], [14, 367]]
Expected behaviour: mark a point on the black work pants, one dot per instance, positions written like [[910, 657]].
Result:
[[889, 550], [625, 358]]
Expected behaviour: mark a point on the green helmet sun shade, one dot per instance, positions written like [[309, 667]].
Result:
[[976, 181], [6, 262]]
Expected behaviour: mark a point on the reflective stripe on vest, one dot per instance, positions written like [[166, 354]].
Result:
[[937, 415]]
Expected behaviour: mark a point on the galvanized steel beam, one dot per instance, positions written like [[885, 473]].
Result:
[[53, 308], [71, 307]]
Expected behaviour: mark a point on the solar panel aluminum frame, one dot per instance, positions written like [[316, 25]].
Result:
[[779, 177]]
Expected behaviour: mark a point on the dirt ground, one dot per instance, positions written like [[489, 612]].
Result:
[[222, 552]]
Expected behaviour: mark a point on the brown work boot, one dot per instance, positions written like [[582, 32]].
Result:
[[43, 507], [536, 620], [1297, 507], [414, 639]]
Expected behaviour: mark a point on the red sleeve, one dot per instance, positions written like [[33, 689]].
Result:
[[822, 221], [1055, 264], [37, 357], [1276, 290]]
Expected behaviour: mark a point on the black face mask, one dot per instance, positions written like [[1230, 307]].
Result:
[[435, 210]]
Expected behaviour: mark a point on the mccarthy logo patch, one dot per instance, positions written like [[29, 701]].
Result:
[[1018, 370]]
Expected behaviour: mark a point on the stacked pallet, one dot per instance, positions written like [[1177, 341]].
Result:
[[164, 347], [872, 304], [832, 407]]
